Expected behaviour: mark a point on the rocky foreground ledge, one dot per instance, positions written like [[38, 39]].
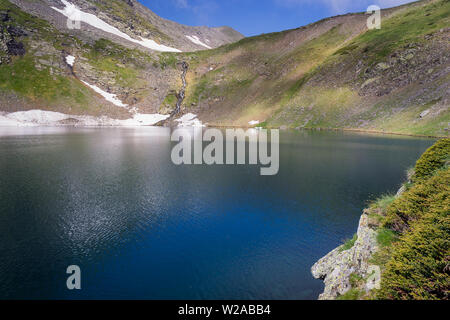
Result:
[[337, 267]]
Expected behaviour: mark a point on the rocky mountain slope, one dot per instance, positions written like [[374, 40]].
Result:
[[131, 18], [118, 51], [334, 73]]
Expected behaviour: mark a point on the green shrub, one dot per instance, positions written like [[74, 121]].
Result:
[[415, 239], [419, 260], [433, 159], [414, 203]]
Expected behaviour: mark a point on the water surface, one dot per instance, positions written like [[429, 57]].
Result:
[[112, 202]]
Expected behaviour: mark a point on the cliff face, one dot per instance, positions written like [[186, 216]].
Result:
[[402, 247], [339, 266], [344, 268]]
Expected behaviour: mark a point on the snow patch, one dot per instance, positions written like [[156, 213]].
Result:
[[189, 120], [7, 122], [196, 40], [425, 113], [253, 122], [71, 11], [108, 96], [70, 60], [141, 119], [50, 118], [37, 117]]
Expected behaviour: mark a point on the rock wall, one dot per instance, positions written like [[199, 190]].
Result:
[[8, 44], [336, 267]]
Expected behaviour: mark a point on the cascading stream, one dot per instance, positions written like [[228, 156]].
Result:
[[182, 93]]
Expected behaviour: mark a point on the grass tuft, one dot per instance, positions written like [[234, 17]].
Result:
[[383, 202], [386, 237], [352, 294], [348, 244]]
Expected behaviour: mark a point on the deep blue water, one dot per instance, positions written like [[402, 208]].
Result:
[[112, 202]]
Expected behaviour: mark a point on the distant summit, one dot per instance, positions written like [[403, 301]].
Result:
[[129, 23]]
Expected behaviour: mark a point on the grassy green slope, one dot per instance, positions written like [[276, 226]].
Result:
[[248, 80], [333, 74], [330, 74], [41, 79], [39, 87], [383, 79]]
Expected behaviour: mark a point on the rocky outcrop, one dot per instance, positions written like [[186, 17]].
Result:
[[9, 46], [4, 39], [337, 267], [422, 61]]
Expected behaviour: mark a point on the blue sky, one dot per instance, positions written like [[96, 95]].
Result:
[[253, 17]]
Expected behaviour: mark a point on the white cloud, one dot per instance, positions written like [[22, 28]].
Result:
[[181, 4], [344, 6], [201, 10]]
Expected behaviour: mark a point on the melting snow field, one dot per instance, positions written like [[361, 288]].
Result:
[[108, 96], [196, 40], [144, 119], [50, 118], [189, 120], [75, 14], [37, 116], [10, 122]]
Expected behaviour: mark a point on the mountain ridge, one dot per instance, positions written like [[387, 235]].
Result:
[[132, 18], [306, 87], [333, 73]]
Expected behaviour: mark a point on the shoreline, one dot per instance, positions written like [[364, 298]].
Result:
[[110, 125], [337, 129], [43, 118]]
